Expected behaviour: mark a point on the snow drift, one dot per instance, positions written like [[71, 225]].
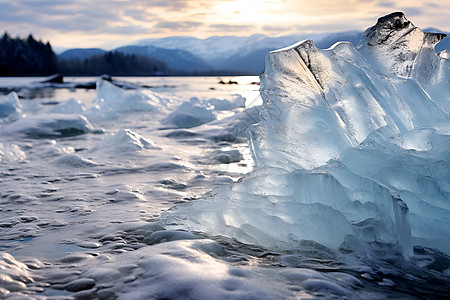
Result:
[[352, 150]]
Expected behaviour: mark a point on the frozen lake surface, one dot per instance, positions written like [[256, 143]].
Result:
[[86, 174]]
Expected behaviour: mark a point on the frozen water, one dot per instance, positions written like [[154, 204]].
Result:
[[112, 100], [9, 105], [190, 114], [348, 199], [123, 142], [71, 106], [72, 186], [49, 125], [14, 275], [228, 156], [11, 152], [230, 128], [225, 104], [352, 145], [110, 96], [258, 212]]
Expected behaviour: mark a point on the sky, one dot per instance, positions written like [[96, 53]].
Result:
[[111, 23]]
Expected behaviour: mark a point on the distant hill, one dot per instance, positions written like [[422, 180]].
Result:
[[445, 43], [80, 53], [252, 58], [243, 55], [211, 49], [113, 63], [217, 55], [330, 39], [176, 59]]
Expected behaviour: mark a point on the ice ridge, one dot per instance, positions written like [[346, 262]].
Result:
[[351, 150]]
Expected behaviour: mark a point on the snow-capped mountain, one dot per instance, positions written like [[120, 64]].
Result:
[[242, 53], [218, 47], [176, 59], [225, 53], [80, 53]]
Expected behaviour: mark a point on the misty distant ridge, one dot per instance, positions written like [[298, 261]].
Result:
[[243, 55], [81, 53], [176, 59], [222, 53]]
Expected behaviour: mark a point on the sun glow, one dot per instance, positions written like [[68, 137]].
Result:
[[115, 23], [249, 11]]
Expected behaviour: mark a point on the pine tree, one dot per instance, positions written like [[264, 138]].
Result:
[[22, 57]]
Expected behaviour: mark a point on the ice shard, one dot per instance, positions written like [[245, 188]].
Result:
[[352, 150]]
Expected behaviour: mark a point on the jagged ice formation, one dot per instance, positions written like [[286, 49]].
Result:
[[352, 151]]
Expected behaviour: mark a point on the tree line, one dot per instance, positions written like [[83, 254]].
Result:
[[29, 57], [113, 63], [20, 57]]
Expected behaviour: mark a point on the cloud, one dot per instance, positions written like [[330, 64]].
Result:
[[230, 28], [174, 5], [139, 14], [412, 11], [72, 22], [386, 4], [276, 29], [185, 26]]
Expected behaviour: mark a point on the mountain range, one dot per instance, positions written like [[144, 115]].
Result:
[[243, 55]]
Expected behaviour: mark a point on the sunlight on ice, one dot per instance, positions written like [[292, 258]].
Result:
[[335, 126], [348, 197]]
